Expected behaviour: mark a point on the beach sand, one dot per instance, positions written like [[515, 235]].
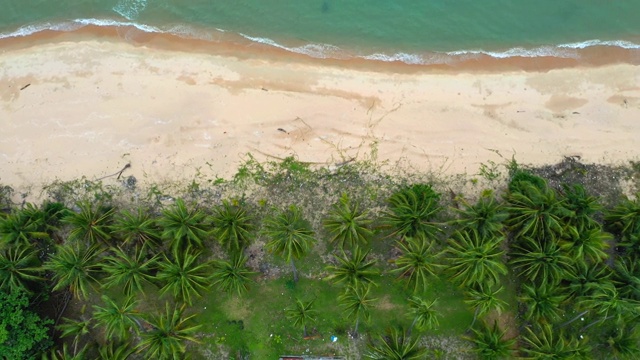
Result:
[[95, 104]]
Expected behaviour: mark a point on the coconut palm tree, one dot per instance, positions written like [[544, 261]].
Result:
[[356, 302], [19, 268], [608, 305], [182, 276], [582, 207], [491, 343], [474, 260], [301, 313], [117, 319], [232, 276], [48, 217], [622, 343], [74, 267], [169, 332], [626, 277], [90, 224], [290, 236], [535, 212], [417, 263], [547, 343], [483, 299], [20, 227], [182, 227], [412, 211], [130, 272], [589, 243], [354, 270], [232, 226], [624, 218], [629, 246], [396, 345], [347, 225], [425, 316], [137, 228], [540, 261], [75, 328], [114, 351], [66, 354], [486, 216], [584, 280], [543, 302]]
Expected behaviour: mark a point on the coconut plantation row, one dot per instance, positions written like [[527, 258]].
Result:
[[346, 263]]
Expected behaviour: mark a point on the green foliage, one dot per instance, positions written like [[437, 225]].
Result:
[[115, 351], [137, 228], [232, 226], [182, 227], [584, 280], [232, 276], [23, 333], [624, 218], [74, 267], [396, 345], [182, 276], [130, 272], [484, 298], [491, 343], [347, 224], [548, 343], [589, 244], [474, 260], [412, 211], [486, 216], [622, 343], [543, 303], [91, 224], [301, 314], [19, 268], [357, 303], [354, 270], [425, 316], [535, 212], [116, 319], [20, 227], [540, 261], [290, 235], [169, 332], [582, 207], [417, 262]]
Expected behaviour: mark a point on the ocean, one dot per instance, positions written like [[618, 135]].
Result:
[[411, 31]]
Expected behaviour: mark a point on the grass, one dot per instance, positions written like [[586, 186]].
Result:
[[234, 327]]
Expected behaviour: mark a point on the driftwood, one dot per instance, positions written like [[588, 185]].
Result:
[[119, 173]]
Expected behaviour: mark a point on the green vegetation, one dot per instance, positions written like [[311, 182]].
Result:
[[383, 267]]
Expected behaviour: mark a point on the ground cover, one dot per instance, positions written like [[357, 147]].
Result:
[[552, 265]]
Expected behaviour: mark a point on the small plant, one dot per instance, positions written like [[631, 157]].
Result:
[[489, 171]]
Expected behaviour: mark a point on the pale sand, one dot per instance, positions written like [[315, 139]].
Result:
[[94, 106]]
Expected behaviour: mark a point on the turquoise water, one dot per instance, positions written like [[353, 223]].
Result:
[[414, 31]]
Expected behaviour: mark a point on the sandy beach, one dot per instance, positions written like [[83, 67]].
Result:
[[93, 105]]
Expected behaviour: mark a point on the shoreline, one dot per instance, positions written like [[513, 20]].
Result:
[[176, 110], [231, 44]]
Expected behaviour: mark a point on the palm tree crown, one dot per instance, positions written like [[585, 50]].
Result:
[[290, 235], [475, 260], [182, 227], [347, 224], [417, 262], [169, 332], [354, 270], [232, 226]]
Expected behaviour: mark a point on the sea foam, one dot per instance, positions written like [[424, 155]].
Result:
[[130, 9], [324, 51]]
